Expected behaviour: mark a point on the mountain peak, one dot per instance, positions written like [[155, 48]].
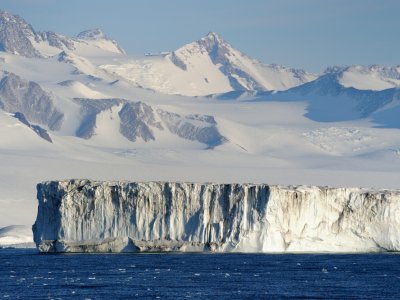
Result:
[[92, 34], [15, 35], [213, 36], [237, 70], [213, 40], [6, 16], [8, 21], [334, 69], [212, 45], [98, 38]]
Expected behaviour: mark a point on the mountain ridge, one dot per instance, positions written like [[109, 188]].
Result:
[[19, 37], [238, 66]]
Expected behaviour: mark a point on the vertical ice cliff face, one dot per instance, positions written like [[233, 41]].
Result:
[[91, 216]]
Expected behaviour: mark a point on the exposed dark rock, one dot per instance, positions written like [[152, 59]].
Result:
[[37, 129], [27, 97], [137, 121], [15, 34], [90, 108], [193, 127]]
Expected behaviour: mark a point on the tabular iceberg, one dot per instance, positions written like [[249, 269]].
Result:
[[94, 216]]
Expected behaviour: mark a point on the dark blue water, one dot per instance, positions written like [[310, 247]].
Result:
[[26, 274]]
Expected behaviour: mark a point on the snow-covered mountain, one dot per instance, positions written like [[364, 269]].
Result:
[[98, 38], [329, 99], [209, 65], [18, 37], [242, 72], [15, 35], [372, 77]]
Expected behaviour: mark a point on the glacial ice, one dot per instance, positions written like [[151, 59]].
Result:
[[16, 236], [94, 216]]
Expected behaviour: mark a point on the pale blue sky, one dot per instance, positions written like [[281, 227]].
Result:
[[309, 34]]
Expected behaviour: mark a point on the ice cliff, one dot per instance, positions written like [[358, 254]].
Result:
[[93, 216]]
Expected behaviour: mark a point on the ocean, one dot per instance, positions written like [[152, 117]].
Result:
[[26, 274]]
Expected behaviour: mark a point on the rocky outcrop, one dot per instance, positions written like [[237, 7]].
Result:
[[200, 128], [92, 216], [56, 40], [37, 129], [138, 121], [28, 98], [90, 108], [15, 35]]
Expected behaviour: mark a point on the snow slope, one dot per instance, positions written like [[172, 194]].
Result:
[[268, 142], [81, 90], [368, 78], [328, 100], [98, 39], [16, 236]]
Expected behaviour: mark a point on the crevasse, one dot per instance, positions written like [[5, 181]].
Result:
[[94, 216]]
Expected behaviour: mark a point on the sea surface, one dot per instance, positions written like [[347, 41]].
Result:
[[26, 274]]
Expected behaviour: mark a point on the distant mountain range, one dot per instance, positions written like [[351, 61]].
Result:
[[333, 97], [209, 66]]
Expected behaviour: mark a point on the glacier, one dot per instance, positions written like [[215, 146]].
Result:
[[103, 216]]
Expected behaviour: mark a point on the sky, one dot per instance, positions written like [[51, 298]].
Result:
[[308, 34]]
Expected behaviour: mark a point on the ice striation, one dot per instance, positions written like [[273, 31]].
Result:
[[94, 216]]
